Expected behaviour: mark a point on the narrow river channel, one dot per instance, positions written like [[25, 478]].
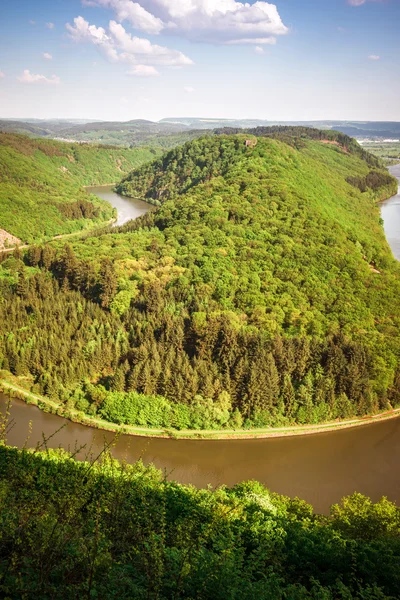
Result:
[[127, 208], [390, 211], [320, 468]]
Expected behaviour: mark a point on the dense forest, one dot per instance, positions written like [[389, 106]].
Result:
[[132, 134], [260, 292], [41, 183], [184, 167], [101, 530]]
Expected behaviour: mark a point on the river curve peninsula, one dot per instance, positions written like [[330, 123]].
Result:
[[264, 317]]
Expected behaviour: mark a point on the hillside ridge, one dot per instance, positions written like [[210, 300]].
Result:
[[41, 183], [249, 298]]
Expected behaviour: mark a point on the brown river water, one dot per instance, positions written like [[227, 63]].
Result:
[[319, 468]]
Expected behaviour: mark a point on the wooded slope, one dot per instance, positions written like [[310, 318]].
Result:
[[40, 184], [263, 293]]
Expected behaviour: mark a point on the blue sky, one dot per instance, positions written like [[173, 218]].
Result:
[[121, 60]]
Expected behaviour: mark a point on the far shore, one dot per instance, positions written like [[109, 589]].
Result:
[[80, 232], [75, 416], [97, 185]]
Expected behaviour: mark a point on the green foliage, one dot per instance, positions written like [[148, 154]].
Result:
[[294, 136], [57, 336], [155, 138], [250, 296], [374, 180], [136, 408], [132, 408], [79, 530], [40, 184], [182, 168]]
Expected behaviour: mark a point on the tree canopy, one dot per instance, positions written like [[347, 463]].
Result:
[[260, 292], [41, 183], [101, 530]]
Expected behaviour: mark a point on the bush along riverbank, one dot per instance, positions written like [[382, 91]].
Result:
[[101, 530], [150, 423]]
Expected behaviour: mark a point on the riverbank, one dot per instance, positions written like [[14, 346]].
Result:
[[48, 405], [63, 236], [101, 185]]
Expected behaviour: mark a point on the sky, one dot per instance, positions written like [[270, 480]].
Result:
[[150, 59]]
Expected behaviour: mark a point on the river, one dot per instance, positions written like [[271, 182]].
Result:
[[390, 211], [319, 468], [128, 208]]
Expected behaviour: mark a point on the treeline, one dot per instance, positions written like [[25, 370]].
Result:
[[81, 209], [239, 380], [56, 337], [79, 530], [374, 180], [294, 135]]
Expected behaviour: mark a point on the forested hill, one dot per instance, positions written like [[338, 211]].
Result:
[[261, 292], [198, 161], [182, 168], [40, 184]]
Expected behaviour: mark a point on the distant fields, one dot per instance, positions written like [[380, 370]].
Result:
[[387, 151]]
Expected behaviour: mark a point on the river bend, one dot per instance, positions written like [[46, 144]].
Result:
[[319, 468]]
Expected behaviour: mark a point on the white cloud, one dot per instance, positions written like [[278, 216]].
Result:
[[269, 41], [213, 21], [125, 10], [360, 2], [143, 71], [50, 25], [2, 75], [189, 90], [28, 77], [259, 50], [124, 100], [374, 57], [119, 46], [47, 56]]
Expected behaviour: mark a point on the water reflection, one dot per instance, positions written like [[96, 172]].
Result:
[[128, 208]]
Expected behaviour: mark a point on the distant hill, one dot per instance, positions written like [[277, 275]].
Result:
[[171, 132], [133, 133], [358, 129], [26, 128]]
